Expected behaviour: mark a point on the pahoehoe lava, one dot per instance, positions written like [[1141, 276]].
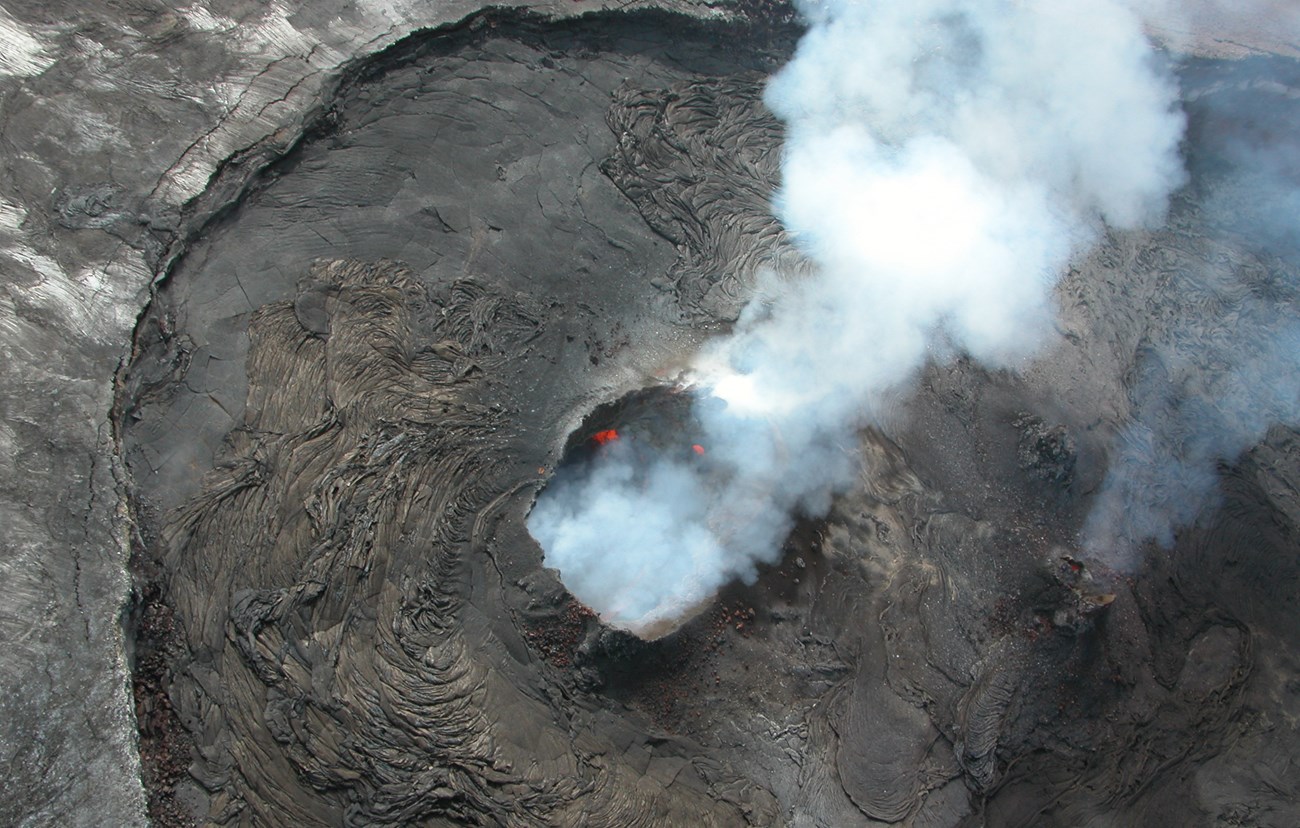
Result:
[[358, 374]]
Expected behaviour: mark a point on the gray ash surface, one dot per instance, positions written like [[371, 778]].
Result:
[[353, 383]]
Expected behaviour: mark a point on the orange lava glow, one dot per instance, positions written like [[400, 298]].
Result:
[[609, 435]]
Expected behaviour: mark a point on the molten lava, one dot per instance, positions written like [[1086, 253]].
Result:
[[609, 435]]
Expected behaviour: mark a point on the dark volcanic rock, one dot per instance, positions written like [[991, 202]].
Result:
[[389, 418], [352, 674], [355, 378], [379, 323], [113, 118]]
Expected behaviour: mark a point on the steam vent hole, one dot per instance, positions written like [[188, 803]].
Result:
[[633, 520], [614, 518]]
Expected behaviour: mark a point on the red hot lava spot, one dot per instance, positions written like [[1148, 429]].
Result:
[[609, 435]]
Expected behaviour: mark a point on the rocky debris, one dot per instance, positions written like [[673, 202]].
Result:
[[1046, 451], [558, 637], [166, 747]]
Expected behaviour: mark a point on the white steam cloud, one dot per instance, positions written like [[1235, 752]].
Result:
[[944, 161]]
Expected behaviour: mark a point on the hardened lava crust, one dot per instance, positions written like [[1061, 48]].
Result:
[[358, 375]]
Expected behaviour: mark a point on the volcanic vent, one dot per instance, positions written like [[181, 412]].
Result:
[[610, 518]]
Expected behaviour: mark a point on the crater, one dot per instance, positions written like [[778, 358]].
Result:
[[346, 395], [346, 384], [636, 516]]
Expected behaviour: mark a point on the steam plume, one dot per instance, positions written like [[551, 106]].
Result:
[[944, 160]]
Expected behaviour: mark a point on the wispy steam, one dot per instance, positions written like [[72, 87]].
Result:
[[1223, 365], [944, 161], [1208, 390]]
